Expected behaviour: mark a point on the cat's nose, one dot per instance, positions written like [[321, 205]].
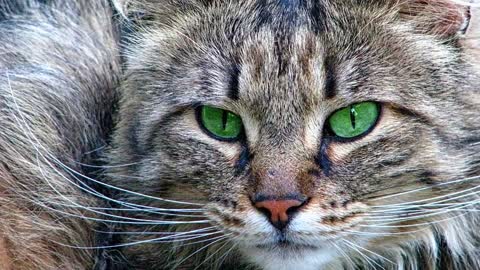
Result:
[[279, 212]]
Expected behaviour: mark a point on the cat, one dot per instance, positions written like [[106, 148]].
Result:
[[255, 134]]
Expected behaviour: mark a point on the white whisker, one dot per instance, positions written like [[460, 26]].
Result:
[[448, 197], [176, 239], [353, 232], [121, 222], [101, 211], [95, 150], [345, 255], [211, 255], [31, 136], [406, 215], [89, 190], [147, 241], [74, 204], [199, 250], [105, 166], [157, 233], [225, 255], [369, 251], [458, 181], [418, 224], [370, 261]]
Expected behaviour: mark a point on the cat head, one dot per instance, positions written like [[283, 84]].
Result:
[[303, 130]]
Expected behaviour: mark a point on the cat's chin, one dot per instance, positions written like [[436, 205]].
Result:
[[289, 255]]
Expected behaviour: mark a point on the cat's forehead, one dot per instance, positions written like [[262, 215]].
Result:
[[286, 57], [295, 64], [283, 49], [284, 71]]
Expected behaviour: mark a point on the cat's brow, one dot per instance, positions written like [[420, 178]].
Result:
[[234, 74], [330, 78]]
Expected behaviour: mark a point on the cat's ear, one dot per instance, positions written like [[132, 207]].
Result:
[[443, 18], [137, 11], [120, 6], [470, 41], [160, 11]]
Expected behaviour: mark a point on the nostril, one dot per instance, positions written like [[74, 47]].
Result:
[[292, 210], [279, 212], [265, 211]]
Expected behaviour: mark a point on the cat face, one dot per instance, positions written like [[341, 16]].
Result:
[[304, 130]]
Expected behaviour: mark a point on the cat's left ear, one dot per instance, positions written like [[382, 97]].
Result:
[[443, 18]]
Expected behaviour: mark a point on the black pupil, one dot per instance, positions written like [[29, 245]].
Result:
[[352, 116], [224, 119]]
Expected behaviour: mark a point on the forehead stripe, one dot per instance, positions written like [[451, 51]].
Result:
[[330, 78], [317, 15], [234, 74]]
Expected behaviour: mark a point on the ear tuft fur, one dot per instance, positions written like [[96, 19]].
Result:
[[443, 18], [121, 6]]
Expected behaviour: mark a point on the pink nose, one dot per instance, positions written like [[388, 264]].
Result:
[[279, 212]]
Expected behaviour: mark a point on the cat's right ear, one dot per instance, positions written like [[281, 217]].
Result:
[[442, 18], [470, 41]]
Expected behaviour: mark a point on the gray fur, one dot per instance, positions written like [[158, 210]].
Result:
[[58, 68]]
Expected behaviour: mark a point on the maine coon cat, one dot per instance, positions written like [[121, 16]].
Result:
[[266, 134]]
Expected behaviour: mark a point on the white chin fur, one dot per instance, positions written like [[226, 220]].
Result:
[[304, 260]]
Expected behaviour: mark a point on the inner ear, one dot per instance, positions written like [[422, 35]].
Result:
[[443, 18], [470, 41]]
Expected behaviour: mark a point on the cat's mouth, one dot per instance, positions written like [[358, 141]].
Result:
[[286, 245]]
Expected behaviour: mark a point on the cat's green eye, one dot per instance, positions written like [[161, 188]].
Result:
[[222, 124], [354, 120]]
